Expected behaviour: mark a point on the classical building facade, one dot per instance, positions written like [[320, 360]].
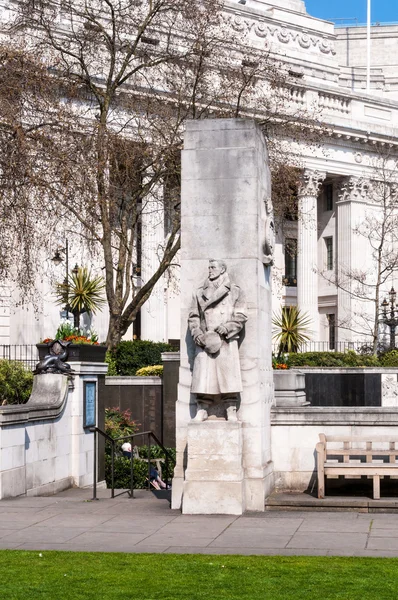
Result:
[[323, 257]]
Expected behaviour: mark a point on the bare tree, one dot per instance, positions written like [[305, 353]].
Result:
[[102, 131]]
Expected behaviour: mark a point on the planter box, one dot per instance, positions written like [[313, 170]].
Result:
[[289, 388], [78, 352]]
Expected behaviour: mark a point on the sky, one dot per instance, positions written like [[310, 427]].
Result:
[[382, 11]]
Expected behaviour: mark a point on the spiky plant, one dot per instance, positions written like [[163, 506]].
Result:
[[81, 293], [291, 329]]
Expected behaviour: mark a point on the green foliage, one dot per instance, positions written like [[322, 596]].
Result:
[[291, 329], [131, 356], [65, 330], [111, 361], [152, 371], [119, 423], [68, 332], [82, 293], [389, 359], [15, 382], [331, 359], [122, 467]]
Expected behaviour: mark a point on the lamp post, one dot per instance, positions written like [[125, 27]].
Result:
[[390, 315], [57, 259]]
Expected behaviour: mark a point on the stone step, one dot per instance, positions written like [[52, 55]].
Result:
[[302, 502]]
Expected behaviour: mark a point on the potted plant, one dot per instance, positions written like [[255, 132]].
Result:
[[83, 347], [80, 293], [291, 332], [291, 329]]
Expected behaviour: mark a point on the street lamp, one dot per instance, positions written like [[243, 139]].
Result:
[[390, 318], [57, 260]]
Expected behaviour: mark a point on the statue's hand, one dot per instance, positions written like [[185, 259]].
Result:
[[221, 330], [199, 340]]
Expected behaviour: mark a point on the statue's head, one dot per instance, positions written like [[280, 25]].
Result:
[[216, 268]]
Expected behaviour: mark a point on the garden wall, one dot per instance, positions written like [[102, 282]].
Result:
[[151, 400], [295, 433], [44, 447]]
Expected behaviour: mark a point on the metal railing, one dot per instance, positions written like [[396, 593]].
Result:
[[129, 438], [324, 347], [27, 354]]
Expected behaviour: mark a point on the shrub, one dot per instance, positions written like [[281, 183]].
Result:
[[389, 359], [119, 423], [152, 371], [15, 382], [133, 355], [331, 359], [111, 361], [122, 468]]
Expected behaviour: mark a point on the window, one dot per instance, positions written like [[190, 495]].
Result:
[[329, 253], [329, 196], [290, 277], [332, 331]]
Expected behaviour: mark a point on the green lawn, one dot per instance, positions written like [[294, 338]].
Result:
[[84, 575]]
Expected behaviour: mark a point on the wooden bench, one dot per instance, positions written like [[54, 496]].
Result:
[[373, 456]]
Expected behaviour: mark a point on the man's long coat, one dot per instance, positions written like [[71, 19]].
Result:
[[212, 306]]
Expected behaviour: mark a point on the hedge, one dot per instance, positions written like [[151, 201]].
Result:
[[332, 359], [122, 467], [130, 356]]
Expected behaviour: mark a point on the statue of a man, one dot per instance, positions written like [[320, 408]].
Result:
[[216, 319]]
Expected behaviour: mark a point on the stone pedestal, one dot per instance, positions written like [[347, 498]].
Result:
[[214, 476], [225, 193], [289, 388]]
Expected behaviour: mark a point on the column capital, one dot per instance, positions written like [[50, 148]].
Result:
[[310, 182], [354, 189]]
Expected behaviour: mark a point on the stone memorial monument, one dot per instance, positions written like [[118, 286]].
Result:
[[217, 316], [225, 383]]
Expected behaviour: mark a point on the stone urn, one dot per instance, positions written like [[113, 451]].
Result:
[[289, 388], [78, 352]]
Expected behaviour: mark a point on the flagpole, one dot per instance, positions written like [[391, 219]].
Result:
[[368, 50]]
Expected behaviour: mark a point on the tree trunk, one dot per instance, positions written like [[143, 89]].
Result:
[[117, 328]]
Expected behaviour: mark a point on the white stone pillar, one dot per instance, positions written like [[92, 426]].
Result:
[[307, 248], [225, 191], [153, 317], [82, 440], [352, 254], [5, 300]]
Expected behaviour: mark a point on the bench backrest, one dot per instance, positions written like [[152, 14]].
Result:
[[346, 446]]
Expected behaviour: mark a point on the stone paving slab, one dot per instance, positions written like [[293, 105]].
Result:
[[72, 522]]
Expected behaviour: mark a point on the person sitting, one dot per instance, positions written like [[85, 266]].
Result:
[[156, 481], [126, 449]]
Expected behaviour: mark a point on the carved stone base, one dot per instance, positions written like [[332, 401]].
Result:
[[214, 476]]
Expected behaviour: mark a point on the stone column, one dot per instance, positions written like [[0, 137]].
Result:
[[153, 317], [225, 466], [351, 251], [82, 441], [307, 248]]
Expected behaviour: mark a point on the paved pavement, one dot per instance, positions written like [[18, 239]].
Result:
[[70, 521]]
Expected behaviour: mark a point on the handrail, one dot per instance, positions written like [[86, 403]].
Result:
[[113, 441]]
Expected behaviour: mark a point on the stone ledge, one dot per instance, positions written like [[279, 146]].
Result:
[[132, 380], [47, 401], [334, 415]]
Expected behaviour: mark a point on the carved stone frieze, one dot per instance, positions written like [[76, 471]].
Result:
[[285, 36], [310, 182], [389, 389]]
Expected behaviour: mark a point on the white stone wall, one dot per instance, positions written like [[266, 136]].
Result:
[[43, 446], [295, 433]]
